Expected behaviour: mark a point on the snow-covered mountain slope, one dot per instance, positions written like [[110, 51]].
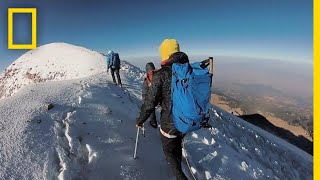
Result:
[[90, 134], [236, 149], [55, 61]]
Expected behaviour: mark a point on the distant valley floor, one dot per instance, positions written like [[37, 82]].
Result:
[[296, 130]]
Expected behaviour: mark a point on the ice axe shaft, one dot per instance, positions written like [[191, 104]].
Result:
[[211, 68], [136, 145], [208, 63], [211, 65], [143, 131]]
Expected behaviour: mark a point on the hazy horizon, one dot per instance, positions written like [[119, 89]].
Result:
[[156, 59], [291, 78]]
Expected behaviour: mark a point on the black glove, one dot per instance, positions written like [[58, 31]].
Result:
[[139, 124]]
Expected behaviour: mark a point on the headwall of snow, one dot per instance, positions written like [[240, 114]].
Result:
[[51, 62]]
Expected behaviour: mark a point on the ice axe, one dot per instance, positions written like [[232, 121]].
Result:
[[211, 65], [211, 68], [137, 139], [208, 63]]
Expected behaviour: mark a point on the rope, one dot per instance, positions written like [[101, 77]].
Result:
[[185, 152]]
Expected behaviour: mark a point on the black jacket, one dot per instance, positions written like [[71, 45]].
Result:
[[145, 89], [160, 92]]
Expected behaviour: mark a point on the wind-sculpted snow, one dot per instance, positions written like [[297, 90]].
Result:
[[235, 149]]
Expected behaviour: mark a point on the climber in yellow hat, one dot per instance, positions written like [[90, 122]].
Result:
[[160, 93], [167, 48]]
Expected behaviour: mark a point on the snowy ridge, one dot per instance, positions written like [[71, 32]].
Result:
[[51, 62], [90, 134], [134, 78]]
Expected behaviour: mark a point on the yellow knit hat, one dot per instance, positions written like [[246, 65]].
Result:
[[167, 48]]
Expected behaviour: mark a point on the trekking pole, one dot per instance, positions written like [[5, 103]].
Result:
[[136, 146]]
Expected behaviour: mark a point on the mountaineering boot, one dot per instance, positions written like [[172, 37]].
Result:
[[153, 119]]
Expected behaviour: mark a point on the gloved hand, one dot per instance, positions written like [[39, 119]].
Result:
[[139, 124], [108, 71]]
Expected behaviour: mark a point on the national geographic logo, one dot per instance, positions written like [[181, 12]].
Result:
[[33, 12]]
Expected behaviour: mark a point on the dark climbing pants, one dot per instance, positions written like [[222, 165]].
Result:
[[173, 152], [118, 76], [153, 118]]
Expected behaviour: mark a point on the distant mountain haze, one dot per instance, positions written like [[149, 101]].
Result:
[[293, 79]]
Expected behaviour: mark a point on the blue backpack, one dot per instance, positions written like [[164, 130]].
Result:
[[190, 92], [115, 61]]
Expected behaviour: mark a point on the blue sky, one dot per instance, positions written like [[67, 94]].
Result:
[[275, 29]]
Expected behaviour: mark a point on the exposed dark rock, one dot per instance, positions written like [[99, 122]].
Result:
[[49, 106]]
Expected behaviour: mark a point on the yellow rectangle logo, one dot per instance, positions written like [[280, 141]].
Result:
[[33, 12]]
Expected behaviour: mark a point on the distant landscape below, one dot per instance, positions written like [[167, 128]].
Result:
[[272, 88]]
